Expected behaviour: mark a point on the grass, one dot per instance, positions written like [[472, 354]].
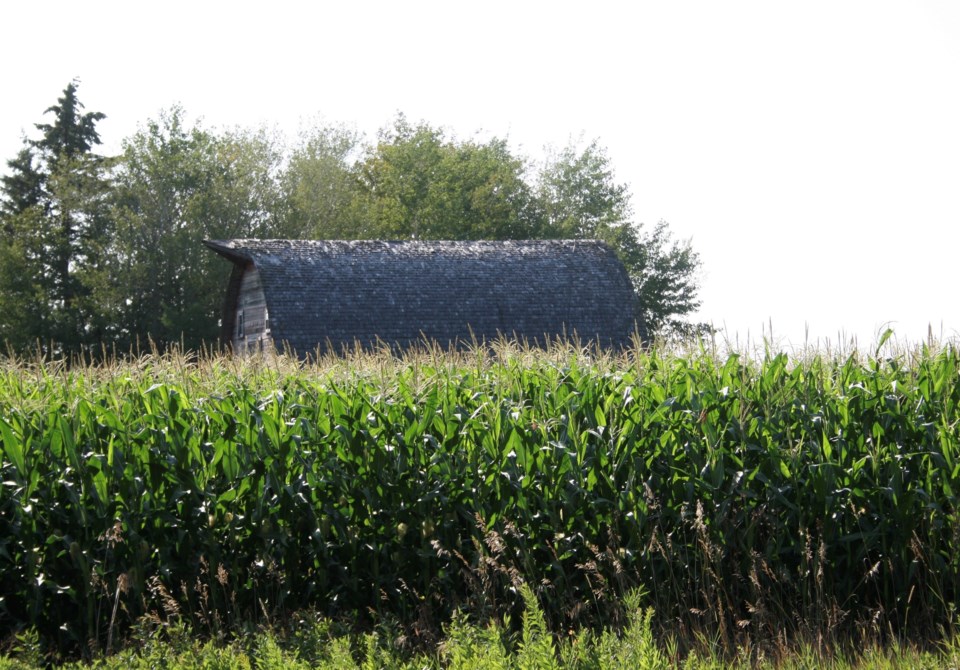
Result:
[[314, 642]]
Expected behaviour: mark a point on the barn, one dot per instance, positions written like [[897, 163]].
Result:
[[317, 295]]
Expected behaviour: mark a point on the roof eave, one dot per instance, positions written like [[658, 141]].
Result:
[[226, 249]]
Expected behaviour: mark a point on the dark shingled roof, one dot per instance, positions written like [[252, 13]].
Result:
[[342, 293]]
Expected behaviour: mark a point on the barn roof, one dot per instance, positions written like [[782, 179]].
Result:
[[341, 293]]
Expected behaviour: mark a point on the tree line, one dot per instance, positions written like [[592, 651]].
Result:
[[106, 251]]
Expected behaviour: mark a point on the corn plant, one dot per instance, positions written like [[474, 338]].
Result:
[[748, 499]]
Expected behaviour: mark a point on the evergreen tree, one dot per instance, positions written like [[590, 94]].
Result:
[[22, 188], [72, 134], [55, 227]]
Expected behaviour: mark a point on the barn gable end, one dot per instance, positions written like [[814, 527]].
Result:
[[251, 325], [310, 295]]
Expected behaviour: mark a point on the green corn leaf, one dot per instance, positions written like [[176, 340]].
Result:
[[13, 448]]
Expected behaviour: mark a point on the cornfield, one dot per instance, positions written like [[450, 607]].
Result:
[[745, 500]]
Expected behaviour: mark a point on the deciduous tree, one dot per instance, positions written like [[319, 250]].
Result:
[[419, 184], [177, 185], [321, 192], [581, 198]]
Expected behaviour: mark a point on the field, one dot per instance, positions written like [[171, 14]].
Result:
[[750, 502]]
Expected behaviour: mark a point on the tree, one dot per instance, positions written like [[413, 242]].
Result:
[[85, 259], [418, 184], [580, 198], [665, 279], [579, 195], [320, 187], [22, 188], [177, 185], [20, 299], [55, 225]]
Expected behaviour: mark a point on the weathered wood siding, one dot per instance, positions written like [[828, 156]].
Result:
[[251, 324]]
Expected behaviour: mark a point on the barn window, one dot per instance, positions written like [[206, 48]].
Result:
[[239, 323]]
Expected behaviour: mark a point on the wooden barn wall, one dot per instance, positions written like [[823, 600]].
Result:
[[251, 328]]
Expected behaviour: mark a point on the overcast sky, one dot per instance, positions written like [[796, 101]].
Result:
[[810, 150]]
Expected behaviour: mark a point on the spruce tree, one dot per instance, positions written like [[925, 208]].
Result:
[[22, 188], [54, 220]]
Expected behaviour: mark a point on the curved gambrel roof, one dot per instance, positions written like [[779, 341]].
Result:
[[343, 293]]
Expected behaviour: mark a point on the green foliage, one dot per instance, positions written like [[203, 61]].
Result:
[[749, 500], [320, 189], [270, 656], [101, 253], [665, 277], [72, 134], [469, 647], [54, 220], [480, 647], [417, 184], [176, 186], [536, 650], [23, 318], [635, 646], [22, 188], [580, 198]]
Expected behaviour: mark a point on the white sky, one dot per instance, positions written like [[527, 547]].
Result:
[[810, 150]]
